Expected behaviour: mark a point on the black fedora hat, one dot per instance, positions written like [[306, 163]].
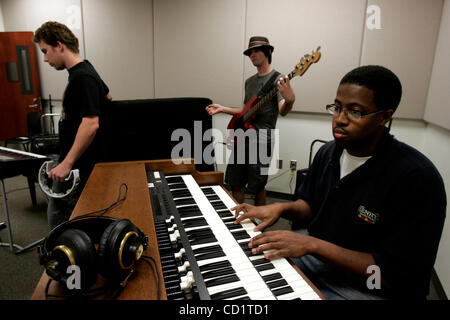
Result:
[[257, 42]]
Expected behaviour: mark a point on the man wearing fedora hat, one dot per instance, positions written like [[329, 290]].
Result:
[[248, 176]]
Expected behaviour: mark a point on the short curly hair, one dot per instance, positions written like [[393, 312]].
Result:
[[51, 32], [386, 87]]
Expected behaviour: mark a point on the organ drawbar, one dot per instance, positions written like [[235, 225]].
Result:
[[204, 255]]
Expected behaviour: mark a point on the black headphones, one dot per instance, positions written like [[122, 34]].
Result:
[[120, 245]]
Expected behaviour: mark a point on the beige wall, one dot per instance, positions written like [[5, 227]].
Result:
[[194, 48]]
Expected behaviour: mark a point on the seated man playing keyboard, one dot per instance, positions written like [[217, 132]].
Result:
[[375, 206]]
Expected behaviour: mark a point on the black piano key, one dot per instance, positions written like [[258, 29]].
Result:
[[209, 255], [272, 276], [174, 179], [215, 265], [264, 267], [190, 214], [218, 272], [235, 292], [179, 193], [221, 280], [170, 277], [233, 226], [213, 197], [244, 244], [207, 249], [183, 201], [178, 295], [173, 288], [169, 264], [240, 235], [248, 252], [277, 284], [198, 233], [173, 186], [202, 239], [229, 220], [219, 205], [208, 190], [194, 222], [258, 262], [189, 211], [225, 214], [283, 290]]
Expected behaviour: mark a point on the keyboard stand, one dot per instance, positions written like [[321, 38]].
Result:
[[15, 248]]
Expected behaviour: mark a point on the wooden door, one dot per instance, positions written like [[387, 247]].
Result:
[[20, 91]]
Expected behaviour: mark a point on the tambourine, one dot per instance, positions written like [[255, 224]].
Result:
[[45, 182]]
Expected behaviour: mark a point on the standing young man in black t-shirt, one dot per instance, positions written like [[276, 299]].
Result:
[[251, 175], [82, 100]]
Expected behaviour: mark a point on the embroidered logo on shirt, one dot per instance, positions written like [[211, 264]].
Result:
[[367, 215]]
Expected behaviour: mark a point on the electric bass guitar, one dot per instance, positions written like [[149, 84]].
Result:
[[243, 119]]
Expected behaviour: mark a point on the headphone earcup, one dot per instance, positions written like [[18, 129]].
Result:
[[77, 246], [114, 254]]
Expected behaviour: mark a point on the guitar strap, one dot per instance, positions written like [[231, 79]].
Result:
[[268, 85]]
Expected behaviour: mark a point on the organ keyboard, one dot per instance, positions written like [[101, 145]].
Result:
[[14, 162], [205, 255]]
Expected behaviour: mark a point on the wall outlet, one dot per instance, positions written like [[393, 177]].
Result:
[[293, 165], [280, 164]]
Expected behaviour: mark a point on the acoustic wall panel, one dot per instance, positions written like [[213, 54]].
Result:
[[437, 108], [119, 43], [198, 49], [405, 42]]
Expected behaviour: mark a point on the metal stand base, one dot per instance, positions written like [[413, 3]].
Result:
[[15, 248]]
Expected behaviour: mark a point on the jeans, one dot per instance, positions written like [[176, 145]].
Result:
[[60, 209]]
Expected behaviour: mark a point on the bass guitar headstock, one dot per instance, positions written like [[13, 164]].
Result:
[[305, 63]]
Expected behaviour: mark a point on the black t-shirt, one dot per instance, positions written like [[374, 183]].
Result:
[[392, 206], [84, 96]]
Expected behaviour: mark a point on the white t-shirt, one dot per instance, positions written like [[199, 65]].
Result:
[[349, 163]]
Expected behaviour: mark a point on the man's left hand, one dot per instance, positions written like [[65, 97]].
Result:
[[281, 243]]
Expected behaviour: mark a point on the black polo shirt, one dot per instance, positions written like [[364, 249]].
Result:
[[392, 206]]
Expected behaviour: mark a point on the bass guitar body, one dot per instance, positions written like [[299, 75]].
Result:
[[238, 124]]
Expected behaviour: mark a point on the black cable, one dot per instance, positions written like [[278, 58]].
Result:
[[105, 210], [88, 294], [157, 273]]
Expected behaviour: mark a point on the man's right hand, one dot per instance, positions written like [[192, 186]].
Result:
[[268, 214], [214, 108]]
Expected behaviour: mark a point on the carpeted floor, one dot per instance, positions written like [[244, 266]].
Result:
[[20, 273]]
